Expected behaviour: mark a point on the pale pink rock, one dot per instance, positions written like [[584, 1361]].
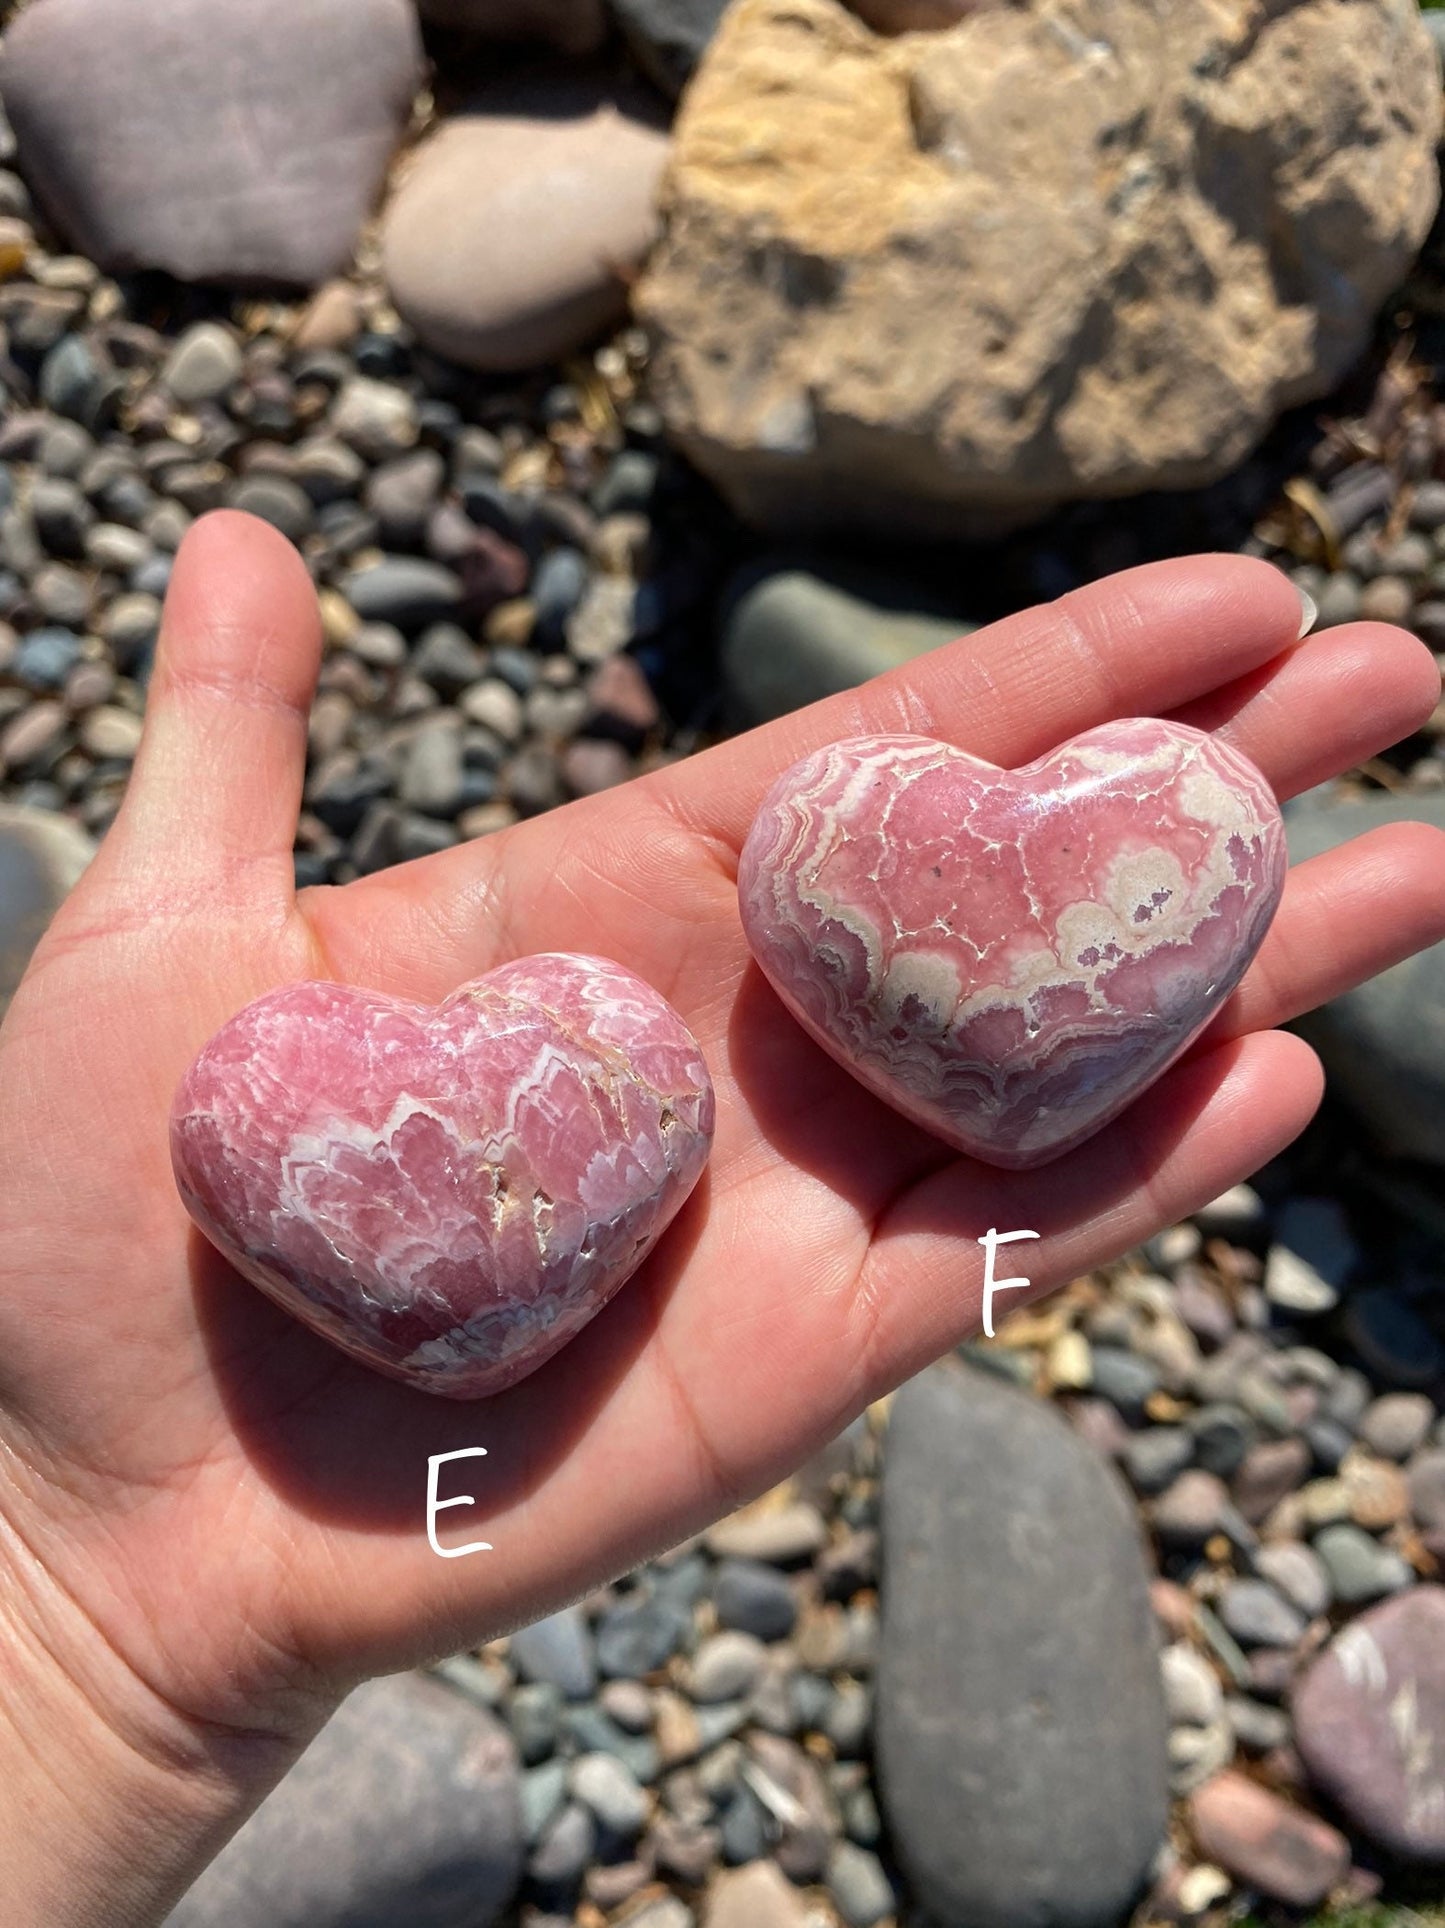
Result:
[[1010, 957], [448, 1193]]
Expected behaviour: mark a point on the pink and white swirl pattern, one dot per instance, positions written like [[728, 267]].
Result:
[[1010, 957], [450, 1193]]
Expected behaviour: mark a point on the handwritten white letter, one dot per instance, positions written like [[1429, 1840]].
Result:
[[991, 1241], [435, 1506]]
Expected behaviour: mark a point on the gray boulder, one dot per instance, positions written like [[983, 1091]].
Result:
[[406, 1808], [793, 634], [242, 143], [1021, 1730], [1383, 1044], [41, 858]]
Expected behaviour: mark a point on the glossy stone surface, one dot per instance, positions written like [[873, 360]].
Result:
[[1010, 957], [449, 1193]]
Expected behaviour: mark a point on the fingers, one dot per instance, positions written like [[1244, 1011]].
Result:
[[1141, 643], [213, 801], [1345, 916], [1338, 699], [1209, 1123]]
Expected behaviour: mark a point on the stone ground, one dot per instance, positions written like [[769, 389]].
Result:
[[526, 599]]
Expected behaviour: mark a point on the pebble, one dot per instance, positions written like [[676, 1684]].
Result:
[[1395, 1425], [46, 657], [284, 504], [756, 1896], [726, 1667], [1257, 1727], [374, 419], [1154, 1457], [1298, 1573], [1267, 1473], [628, 1703], [637, 1637], [1257, 1616], [753, 1598], [1124, 1379], [780, 1536], [1223, 1436], [405, 591], [110, 732], [610, 1791], [1284, 1852], [203, 365], [1192, 1693], [1191, 1510], [558, 1649], [1379, 1497], [563, 1850], [860, 1889], [1360, 1569]]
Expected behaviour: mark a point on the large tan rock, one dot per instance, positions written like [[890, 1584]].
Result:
[[1073, 249]]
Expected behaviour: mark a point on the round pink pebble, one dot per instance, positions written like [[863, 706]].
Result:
[[1009, 957], [447, 1193]]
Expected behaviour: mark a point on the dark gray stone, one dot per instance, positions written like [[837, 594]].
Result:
[[1257, 1616], [792, 636], [754, 1599], [119, 114], [640, 1635], [405, 1808], [1156, 1456], [285, 505], [46, 657], [404, 590], [560, 1651], [668, 37], [1383, 1043], [1021, 1735]]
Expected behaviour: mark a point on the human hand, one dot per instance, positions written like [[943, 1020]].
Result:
[[213, 1522]]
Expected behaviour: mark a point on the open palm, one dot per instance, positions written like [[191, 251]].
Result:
[[226, 1517]]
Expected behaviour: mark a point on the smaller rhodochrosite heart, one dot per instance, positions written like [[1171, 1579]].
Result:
[[1009, 957], [448, 1193]]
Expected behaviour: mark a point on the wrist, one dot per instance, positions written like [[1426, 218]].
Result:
[[111, 1801]]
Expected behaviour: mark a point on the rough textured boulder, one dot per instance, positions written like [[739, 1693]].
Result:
[[510, 240], [1383, 1044], [940, 282], [1020, 1724], [241, 143], [404, 1809]]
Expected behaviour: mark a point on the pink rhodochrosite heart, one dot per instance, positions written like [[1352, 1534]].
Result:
[[1009, 957], [448, 1193]]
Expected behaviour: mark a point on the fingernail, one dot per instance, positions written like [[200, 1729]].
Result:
[[1309, 614]]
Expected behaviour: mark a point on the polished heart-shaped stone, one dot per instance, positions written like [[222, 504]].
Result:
[[1009, 957], [450, 1192]]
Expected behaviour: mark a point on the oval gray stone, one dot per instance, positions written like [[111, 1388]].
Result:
[[795, 634], [405, 1808], [1021, 1733], [1383, 1043]]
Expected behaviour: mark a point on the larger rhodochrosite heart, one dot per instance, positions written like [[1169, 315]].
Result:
[[448, 1193], [1009, 957]]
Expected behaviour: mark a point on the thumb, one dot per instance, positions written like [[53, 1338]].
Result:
[[212, 803]]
